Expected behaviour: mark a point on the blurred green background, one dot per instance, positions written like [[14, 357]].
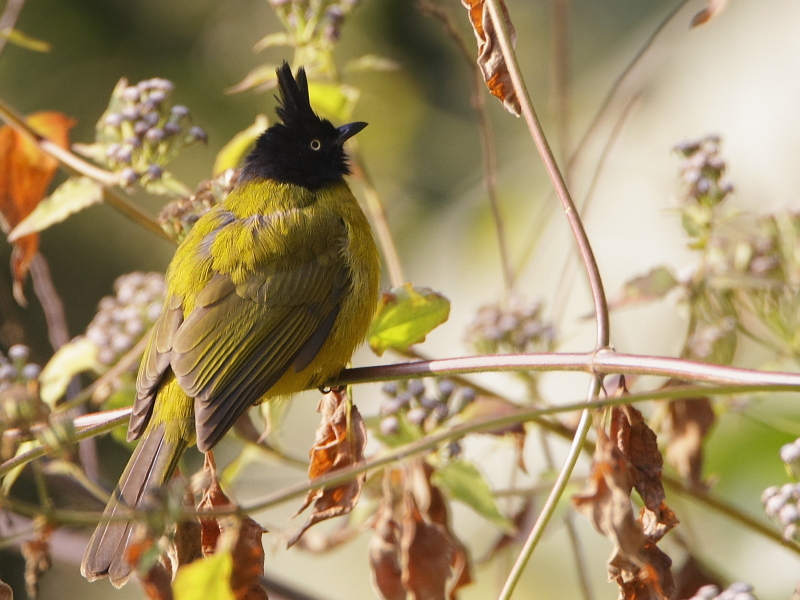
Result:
[[735, 77]]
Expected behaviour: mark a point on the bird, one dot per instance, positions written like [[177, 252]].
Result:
[[270, 293]]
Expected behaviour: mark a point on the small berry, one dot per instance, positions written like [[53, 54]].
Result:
[[416, 387], [19, 353], [390, 425], [390, 388], [417, 416]]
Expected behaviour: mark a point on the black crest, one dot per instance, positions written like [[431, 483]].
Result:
[[302, 149]]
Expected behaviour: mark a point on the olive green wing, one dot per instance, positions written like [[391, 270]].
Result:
[[154, 365], [240, 339]]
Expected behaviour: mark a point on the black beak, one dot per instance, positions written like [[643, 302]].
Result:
[[348, 131]]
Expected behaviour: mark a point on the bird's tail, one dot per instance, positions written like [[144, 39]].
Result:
[[153, 462]]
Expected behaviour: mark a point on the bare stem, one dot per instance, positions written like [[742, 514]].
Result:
[[578, 232], [595, 363], [485, 132], [379, 222], [615, 87]]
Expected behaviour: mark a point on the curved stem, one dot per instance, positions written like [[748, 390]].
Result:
[[535, 128]]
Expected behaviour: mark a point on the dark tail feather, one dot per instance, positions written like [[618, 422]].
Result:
[[151, 465]]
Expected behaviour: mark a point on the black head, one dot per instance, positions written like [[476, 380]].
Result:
[[303, 149]]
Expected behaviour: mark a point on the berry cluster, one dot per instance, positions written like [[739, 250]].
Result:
[[703, 171], [122, 320], [180, 215], [422, 406], [782, 504], [515, 325], [141, 131], [20, 404], [736, 591]]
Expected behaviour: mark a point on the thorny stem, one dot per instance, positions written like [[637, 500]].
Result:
[[77, 166], [478, 100]]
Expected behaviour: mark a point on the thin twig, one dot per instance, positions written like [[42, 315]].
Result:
[[560, 55], [615, 87], [535, 129], [379, 222], [486, 135], [568, 272], [9, 19]]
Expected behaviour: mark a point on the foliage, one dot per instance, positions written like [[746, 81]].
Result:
[[398, 474]]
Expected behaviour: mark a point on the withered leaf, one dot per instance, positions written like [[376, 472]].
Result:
[[213, 497], [639, 448], [157, 582], [25, 174], [413, 553], [490, 55], [248, 562], [247, 551], [340, 441], [688, 422], [640, 569], [6, 593], [384, 557], [693, 575]]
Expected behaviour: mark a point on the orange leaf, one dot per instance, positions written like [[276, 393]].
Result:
[[25, 174], [490, 56], [340, 441]]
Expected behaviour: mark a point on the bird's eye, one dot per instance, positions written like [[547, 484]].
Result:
[[315, 144]]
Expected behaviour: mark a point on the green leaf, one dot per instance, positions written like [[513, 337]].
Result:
[[16, 37], [464, 483], [405, 316], [12, 475], [205, 579], [332, 100], [72, 196], [653, 285], [77, 356], [234, 151]]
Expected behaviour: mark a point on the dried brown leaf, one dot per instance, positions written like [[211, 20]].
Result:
[[490, 55], [213, 497], [636, 564], [25, 174], [340, 441], [384, 557], [687, 424], [709, 12], [639, 448], [6, 593], [248, 562], [413, 553], [157, 582]]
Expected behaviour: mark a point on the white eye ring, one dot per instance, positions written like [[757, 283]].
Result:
[[315, 145]]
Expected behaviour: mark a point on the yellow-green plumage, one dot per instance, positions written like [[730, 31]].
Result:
[[269, 294]]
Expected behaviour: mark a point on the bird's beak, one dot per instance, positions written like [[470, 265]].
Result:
[[348, 131]]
